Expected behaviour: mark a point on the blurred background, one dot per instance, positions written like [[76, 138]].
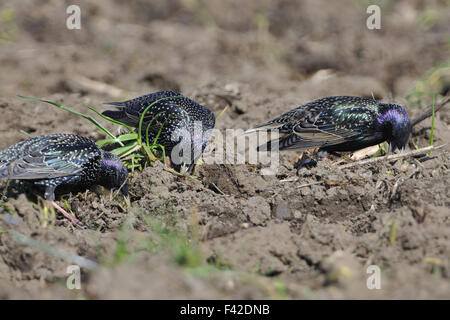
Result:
[[310, 48]]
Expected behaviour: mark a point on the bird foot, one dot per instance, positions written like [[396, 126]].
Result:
[[305, 162], [179, 170], [69, 216]]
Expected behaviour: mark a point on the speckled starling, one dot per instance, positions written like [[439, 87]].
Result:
[[62, 160], [183, 124], [341, 123]]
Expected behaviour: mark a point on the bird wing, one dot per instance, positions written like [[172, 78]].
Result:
[[324, 123], [49, 160], [329, 127], [31, 167], [131, 110], [311, 110], [167, 117], [286, 121], [276, 123]]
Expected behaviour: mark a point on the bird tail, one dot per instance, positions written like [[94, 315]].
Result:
[[121, 116], [5, 171], [263, 127], [119, 105], [132, 118], [116, 115]]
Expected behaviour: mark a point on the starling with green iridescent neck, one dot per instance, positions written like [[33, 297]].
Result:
[[180, 124], [341, 123], [62, 160]]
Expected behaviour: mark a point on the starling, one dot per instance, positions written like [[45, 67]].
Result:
[[341, 123], [62, 160], [181, 125]]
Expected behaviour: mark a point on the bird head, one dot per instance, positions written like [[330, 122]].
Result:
[[113, 173], [396, 126]]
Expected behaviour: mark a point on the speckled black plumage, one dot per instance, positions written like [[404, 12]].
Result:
[[62, 160], [341, 123], [179, 119]]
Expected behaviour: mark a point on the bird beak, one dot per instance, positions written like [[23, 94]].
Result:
[[390, 147], [124, 189]]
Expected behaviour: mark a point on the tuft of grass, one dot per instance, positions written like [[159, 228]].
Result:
[[436, 265], [430, 84], [269, 49], [7, 207], [185, 251], [164, 236], [121, 252], [134, 149], [8, 25], [429, 18], [280, 290], [217, 262], [47, 215]]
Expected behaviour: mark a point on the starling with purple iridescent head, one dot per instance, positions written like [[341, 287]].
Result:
[[340, 123]]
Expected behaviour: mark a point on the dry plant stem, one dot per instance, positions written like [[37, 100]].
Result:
[[74, 220], [429, 112], [310, 184], [391, 157], [364, 153]]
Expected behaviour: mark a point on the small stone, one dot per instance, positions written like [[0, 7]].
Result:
[[282, 212], [256, 209], [245, 225], [297, 214]]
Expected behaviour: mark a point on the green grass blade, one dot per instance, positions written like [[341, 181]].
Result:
[[141, 120], [111, 119], [27, 134], [87, 117], [221, 113], [123, 138], [393, 233], [123, 150], [148, 127], [135, 155], [131, 151], [159, 132]]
